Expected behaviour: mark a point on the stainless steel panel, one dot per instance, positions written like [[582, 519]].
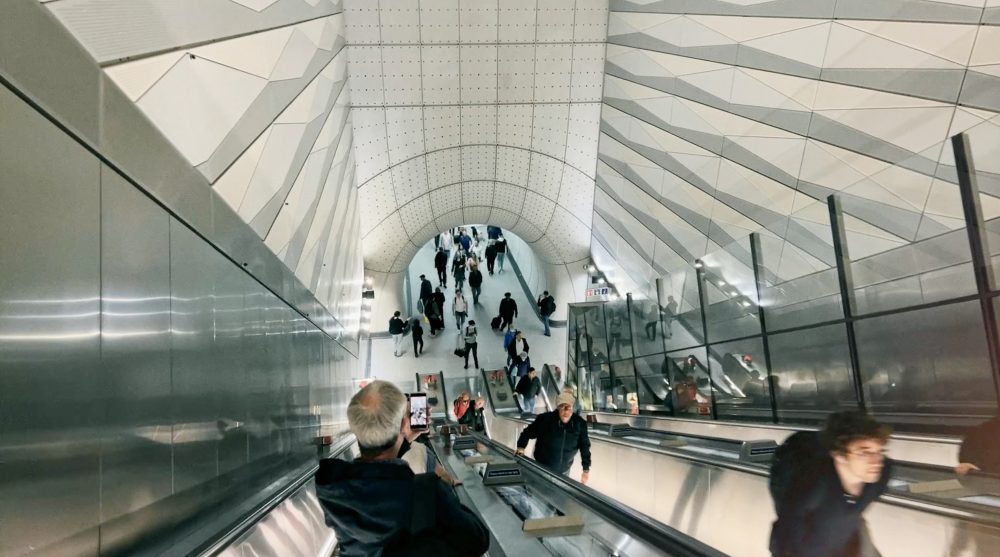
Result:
[[38, 55], [229, 373], [51, 408], [812, 374], [196, 433], [136, 465]]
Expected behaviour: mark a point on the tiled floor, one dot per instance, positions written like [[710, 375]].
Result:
[[438, 352]]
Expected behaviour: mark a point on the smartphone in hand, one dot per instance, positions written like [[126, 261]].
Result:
[[419, 419]]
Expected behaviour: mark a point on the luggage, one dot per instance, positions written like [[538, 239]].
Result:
[[495, 324]]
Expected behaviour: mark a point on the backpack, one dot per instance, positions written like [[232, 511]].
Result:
[[508, 338], [796, 462]]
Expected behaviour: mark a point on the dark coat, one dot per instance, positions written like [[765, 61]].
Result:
[[528, 387], [981, 446], [441, 260], [369, 504], [508, 307], [426, 289], [817, 519], [512, 350], [396, 326], [417, 330], [501, 246], [439, 300], [476, 278], [556, 443], [547, 305], [491, 253]]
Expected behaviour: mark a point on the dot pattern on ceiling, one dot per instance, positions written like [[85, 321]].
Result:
[[475, 111]]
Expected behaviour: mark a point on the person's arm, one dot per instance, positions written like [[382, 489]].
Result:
[[530, 432], [584, 450], [461, 527], [526, 347], [513, 303]]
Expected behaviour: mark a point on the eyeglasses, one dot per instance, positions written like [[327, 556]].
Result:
[[870, 455]]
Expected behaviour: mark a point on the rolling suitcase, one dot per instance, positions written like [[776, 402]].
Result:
[[495, 323]]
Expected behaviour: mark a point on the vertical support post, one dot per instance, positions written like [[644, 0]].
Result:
[[631, 333], [756, 255], [979, 247], [846, 280], [699, 268], [660, 325]]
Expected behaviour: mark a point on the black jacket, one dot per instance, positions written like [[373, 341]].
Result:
[[426, 290], [981, 446], [440, 260], [528, 387], [475, 278], [369, 504], [508, 307], [439, 300], [818, 520], [396, 326], [512, 349], [556, 443], [547, 305], [501, 246], [474, 417], [417, 330], [491, 253]]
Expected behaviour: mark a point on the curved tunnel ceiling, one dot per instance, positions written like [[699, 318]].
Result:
[[466, 112]]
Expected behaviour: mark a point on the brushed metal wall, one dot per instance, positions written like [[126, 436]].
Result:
[[145, 378]]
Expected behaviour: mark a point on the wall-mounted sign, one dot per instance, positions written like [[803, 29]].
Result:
[[597, 294]]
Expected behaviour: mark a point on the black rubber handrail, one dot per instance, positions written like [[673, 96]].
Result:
[[638, 525]]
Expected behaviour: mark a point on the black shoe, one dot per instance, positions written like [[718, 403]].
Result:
[[466, 366]]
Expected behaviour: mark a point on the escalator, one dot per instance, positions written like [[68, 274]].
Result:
[[714, 488]]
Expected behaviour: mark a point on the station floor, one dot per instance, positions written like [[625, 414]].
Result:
[[438, 354]]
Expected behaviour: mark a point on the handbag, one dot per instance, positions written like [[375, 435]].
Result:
[[459, 347]]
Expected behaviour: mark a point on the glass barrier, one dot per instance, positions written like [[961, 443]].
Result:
[[731, 291]]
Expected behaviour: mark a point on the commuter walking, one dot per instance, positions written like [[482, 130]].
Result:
[[493, 232], [461, 309], [517, 354], [417, 331], [558, 436], [476, 284], [446, 243], [528, 387], [432, 309], [371, 502], [472, 343], [671, 312], [441, 264], [491, 256], [426, 289], [458, 271], [821, 484], [466, 240], [546, 307], [508, 311], [439, 303], [396, 328], [501, 253]]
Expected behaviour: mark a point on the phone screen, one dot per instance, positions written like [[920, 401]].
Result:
[[418, 411]]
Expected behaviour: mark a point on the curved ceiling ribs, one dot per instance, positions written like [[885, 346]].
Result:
[[475, 111]]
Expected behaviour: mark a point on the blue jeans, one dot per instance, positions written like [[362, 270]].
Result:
[[545, 320], [475, 293], [529, 404], [500, 258]]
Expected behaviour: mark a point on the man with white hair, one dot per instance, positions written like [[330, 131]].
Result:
[[376, 505], [558, 436]]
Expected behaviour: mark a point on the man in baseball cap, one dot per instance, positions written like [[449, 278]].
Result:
[[558, 436]]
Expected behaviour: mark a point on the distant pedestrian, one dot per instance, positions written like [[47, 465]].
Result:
[[446, 243], [528, 387], [461, 309], [546, 307], [433, 312], [491, 256], [475, 234], [396, 328], [501, 253], [471, 343], [821, 484], [441, 264], [476, 284], [493, 232], [508, 311], [459, 273], [466, 241], [517, 354], [426, 289], [418, 337]]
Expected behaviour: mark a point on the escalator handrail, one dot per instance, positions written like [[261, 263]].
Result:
[[245, 523], [896, 499], [643, 527]]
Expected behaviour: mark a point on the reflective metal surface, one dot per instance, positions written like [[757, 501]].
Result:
[[146, 380], [51, 417]]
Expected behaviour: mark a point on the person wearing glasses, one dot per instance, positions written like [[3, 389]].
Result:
[[822, 483]]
